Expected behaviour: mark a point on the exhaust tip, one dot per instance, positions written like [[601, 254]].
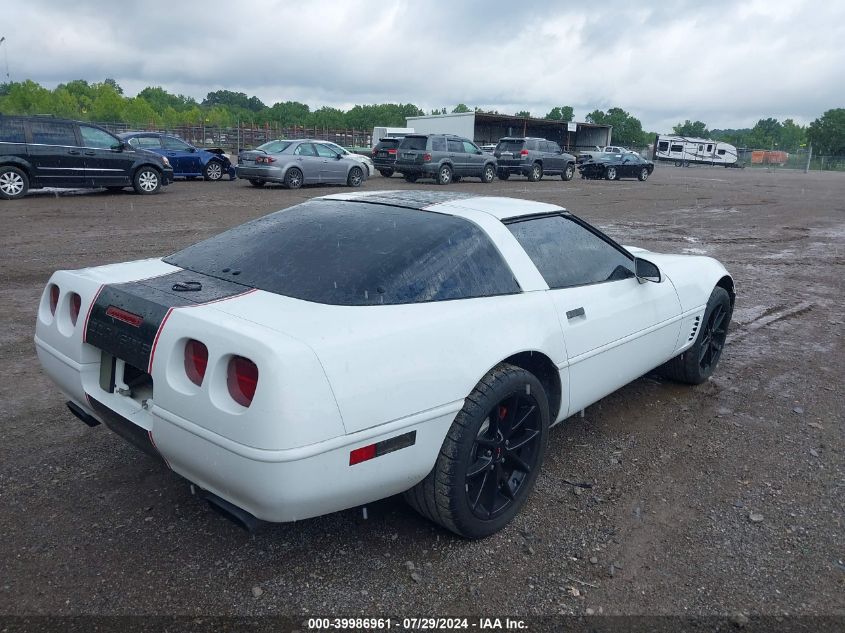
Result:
[[88, 419], [236, 515]]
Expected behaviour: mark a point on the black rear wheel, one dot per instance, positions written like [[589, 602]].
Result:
[[256, 183], [490, 458], [387, 173], [568, 173], [504, 175], [536, 172], [643, 174], [411, 177], [444, 175]]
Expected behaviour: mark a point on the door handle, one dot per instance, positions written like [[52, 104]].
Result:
[[574, 314], [90, 153], [74, 152]]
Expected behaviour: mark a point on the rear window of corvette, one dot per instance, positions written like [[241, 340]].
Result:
[[355, 253]]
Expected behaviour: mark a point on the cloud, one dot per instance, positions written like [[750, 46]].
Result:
[[722, 62]]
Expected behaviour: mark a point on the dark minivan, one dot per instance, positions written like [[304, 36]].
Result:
[[44, 151]]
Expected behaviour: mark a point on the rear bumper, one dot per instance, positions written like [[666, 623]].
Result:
[[271, 484], [411, 169], [269, 174]]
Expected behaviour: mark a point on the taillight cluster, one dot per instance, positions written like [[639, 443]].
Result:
[[391, 152], [524, 152], [265, 160], [241, 373], [74, 303], [426, 157]]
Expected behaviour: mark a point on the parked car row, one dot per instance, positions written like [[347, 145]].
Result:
[[449, 158]]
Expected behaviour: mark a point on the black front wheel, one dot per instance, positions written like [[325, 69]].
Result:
[[568, 173], [387, 173], [488, 174], [643, 176], [355, 177], [213, 170], [697, 364], [490, 458]]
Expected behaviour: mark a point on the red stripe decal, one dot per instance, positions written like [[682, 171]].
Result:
[[88, 316], [153, 442], [155, 340]]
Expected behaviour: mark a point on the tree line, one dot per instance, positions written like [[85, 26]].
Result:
[[155, 107]]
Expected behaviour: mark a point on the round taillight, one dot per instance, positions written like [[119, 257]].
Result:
[[54, 298], [196, 361], [75, 305], [242, 379]]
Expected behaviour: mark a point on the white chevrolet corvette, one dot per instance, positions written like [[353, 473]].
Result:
[[361, 345]]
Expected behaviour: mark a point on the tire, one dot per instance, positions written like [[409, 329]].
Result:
[[387, 173], [147, 181], [411, 178], [444, 175], [504, 175], [536, 172], [257, 183], [213, 171], [643, 174], [457, 178], [14, 183], [293, 178], [696, 365], [610, 173], [568, 172], [488, 174], [470, 504], [355, 177]]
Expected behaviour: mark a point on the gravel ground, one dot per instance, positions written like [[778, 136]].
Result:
[[724, 498]]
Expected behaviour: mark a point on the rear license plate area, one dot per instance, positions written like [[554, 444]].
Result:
[[119, 377]]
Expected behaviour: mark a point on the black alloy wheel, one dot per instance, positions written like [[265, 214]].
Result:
[[506, 450]]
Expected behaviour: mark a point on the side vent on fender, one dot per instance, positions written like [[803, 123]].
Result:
[[694, 330]]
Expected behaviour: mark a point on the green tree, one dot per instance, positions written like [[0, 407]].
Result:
[[116, 86], [561, 113], [695, 129], [792, 136], [627, 129], [827, 133], [107, 105], [460, 108], [523, 113], [140, 114], [765, 134], [327, 117], [27, 97]]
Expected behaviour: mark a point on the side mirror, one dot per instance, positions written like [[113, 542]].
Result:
[[646, 271], [193, 150], [338, 156], [120, 147]]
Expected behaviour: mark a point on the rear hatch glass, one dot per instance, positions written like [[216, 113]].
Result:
[[414, 142], [354, 253], [509, 146]]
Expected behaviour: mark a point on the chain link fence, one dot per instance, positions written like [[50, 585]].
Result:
[[240, 137]]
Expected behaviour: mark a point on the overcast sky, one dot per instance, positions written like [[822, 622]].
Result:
[[727, 63]]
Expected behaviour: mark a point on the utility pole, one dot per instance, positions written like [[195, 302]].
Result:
[[6, 53], [809, 158]]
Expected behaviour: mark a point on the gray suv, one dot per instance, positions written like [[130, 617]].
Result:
[[444, 157], [533, 157]]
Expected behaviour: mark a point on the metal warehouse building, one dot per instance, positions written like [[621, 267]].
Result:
[[489, 128]]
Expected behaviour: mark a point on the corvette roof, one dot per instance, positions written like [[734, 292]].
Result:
[[450, 202]]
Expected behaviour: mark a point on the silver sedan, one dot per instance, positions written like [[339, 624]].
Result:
[[299, 162]]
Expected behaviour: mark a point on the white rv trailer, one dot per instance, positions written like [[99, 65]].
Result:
[[380, 132], [683, 150]]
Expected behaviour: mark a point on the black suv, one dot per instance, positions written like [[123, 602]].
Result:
[[444, 157], [43, 151], [533, 157], [384, 154]]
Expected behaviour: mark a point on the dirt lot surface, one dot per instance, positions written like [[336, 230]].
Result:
[[718, 499]]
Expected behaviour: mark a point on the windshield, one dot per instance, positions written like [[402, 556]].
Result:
[[355, 254]]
